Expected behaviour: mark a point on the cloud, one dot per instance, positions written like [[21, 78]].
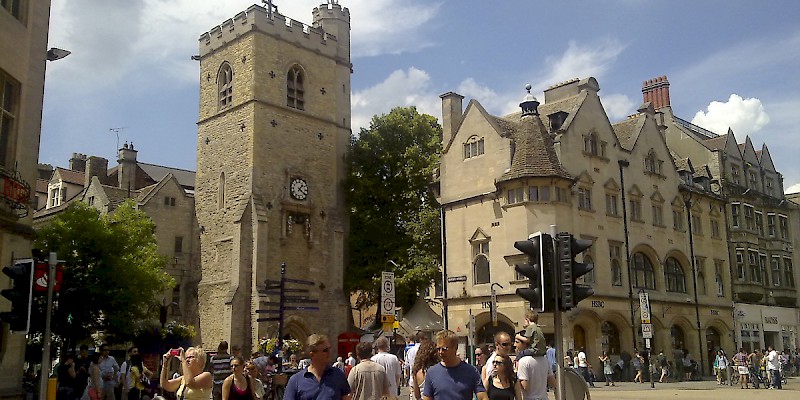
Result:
[[793, 189], [401, 88], [743, 116], [580, 61], [617, 106]]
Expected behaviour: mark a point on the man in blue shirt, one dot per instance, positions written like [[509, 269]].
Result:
[[551, 356], [320, 381], [451, 379]]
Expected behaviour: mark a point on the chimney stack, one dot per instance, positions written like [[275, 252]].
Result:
[[656, 92], [126, 172], [95, 166], [451, 115], [77, 162]]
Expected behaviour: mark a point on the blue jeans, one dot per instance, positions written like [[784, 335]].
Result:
[[776, 378]]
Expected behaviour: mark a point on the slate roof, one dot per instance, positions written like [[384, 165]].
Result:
[[717, 143], [626, 131], [158, 172], [534, 155], [682, 164], [68, 175]]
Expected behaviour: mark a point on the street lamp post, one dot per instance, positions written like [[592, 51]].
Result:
[[623, 164], [688, 204]]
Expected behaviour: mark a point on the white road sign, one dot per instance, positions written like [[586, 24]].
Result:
[[647, 331], [644, 306], [387, 293]]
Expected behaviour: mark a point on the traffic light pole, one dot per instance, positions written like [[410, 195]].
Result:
[[44, 375], [559, 329]]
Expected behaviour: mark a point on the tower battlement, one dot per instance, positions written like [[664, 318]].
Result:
[[257, 18], [331, 10]]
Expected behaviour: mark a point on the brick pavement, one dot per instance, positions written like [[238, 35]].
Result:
[[705, 390]]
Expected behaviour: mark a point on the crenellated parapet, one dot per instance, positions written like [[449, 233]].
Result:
[[257, 18], [331, 10]]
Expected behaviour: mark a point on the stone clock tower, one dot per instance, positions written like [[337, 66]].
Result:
[[273, 130]]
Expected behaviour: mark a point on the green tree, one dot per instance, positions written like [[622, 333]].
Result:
[[393, 215], [112, 274]]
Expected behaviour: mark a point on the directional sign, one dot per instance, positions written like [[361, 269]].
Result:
[[268, 311], [300, 281], [301, 301], [494, 308], [387, 293], [453, 279], [300, 308], [268, 319], [644, 306]]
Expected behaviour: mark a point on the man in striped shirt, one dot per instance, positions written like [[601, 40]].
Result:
[[220, 368]]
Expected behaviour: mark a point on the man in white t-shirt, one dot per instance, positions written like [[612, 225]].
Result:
[[502, 344], [390, 363], [774, 368], [411, 356], [534, 373], [583, 368]]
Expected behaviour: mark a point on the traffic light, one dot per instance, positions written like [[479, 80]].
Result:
[[570, 270], [19, 294], [539, 249]]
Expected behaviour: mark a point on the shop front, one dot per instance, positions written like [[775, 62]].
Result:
[[758, 327]]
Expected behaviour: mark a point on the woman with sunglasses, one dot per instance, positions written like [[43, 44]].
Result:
[[503, 384], [426, 357], [237, 386]]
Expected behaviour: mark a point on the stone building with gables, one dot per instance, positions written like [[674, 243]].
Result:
[[563, 163]]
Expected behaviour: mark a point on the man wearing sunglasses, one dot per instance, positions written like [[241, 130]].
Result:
[[502, 344], [320, 381], [534, 373], [451, 379]]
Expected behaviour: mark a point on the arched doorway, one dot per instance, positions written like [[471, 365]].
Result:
[[610, 339], [485, 334], [713, 343], [579, 337], [678, 342]]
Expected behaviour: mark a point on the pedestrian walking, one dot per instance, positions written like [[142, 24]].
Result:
[[238, 386], [66, 378], [426, 357], [774, 368], [534, 373], [742, 368], [368, 380], [109, 372], [637, 362], [220, 368], [451, 379], [721, 367], [320, 381], [608, 370], [390, 363], [503, 384], [503, 343], [583, 367]]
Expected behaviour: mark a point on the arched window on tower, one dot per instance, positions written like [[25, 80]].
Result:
[[480, 261], [221, 191], [294, 88], [225, 85]]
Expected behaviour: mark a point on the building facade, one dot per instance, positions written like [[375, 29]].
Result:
[[562, 163], [164, 194], [762, 236], [23, 53], [273, 129]]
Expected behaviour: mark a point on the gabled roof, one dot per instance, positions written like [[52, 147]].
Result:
[[765, 159], [185, 178], [569, 105], [534, 155], [70, 176], [473, 104], [748, 151], [627, 131], [717, 143]]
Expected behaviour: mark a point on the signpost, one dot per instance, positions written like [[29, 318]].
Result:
[[299, 302], [647, 330], [387, 300]]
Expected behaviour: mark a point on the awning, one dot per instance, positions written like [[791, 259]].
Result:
[[421, 317]]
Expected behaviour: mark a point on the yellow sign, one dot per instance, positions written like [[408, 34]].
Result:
[[387, 327], [396, 325], [387, 319]]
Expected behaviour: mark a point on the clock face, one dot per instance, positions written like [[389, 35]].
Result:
[[299, 189]]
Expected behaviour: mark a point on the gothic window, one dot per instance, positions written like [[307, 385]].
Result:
[[673, 274], [771, 224], [788, 272], [760, 223], [294, 88], [9, 104], [480, 262], [590, 144], [221, 191], [749, 218], [616, 273], [612, 204], [762, 267], [770, 187], [755, 267], [735, 174], [776, 271], [718, 278], [473, 147], [677, 219], [652, 164], [658, 214], [636, 209], [784, 226], [753, 179], [225, 85], [740, 274], [735, 217], [585, 199], [643, 272]]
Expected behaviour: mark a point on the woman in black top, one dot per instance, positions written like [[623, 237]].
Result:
[[503, 384]]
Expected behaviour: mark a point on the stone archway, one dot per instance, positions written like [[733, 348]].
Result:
[[713, 343]]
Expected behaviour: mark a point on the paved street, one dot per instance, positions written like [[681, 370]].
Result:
[[706, 390]]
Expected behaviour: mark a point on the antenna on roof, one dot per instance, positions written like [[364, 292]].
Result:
[[116, 131]]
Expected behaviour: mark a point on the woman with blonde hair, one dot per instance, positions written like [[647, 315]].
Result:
[[194, 384]]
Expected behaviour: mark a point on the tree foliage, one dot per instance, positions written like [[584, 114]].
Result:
[[112, 275], [393, 215]]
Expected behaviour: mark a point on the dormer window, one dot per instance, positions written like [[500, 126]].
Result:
[[473, 147], [557, 120], [735, 174]]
